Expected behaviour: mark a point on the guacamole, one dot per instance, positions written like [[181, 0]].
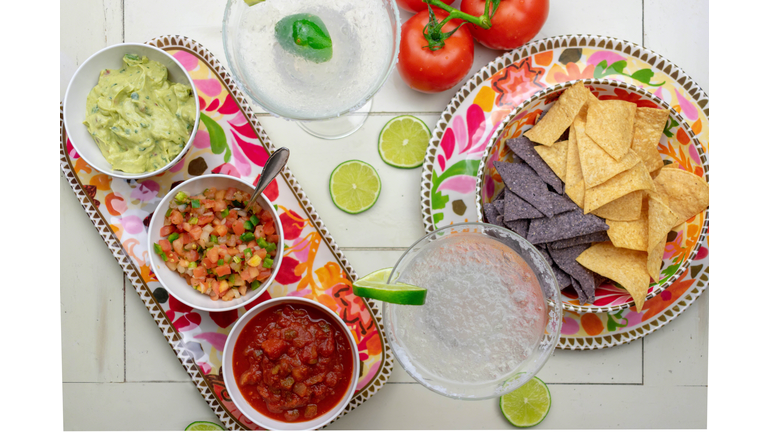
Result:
[[139, 119]]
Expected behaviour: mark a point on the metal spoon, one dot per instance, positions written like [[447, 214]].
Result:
[[272, 168]]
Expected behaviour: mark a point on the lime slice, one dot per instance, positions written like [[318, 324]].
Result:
[[249, 3], [203, 426], [355, 186], [375, 286], [403, 142], [528, 405]]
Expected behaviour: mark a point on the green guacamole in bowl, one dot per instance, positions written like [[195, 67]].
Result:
[[139, 119]]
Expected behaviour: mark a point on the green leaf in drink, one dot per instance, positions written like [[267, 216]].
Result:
[[306, 36]]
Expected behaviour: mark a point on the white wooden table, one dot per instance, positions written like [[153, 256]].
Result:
[[120, 373]]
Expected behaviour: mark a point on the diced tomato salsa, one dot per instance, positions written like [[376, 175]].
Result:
[[292, 364], [220, 251]]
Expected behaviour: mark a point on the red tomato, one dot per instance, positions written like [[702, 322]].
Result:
[[165, 245], [515, 23], [434, 71], [417, 5]]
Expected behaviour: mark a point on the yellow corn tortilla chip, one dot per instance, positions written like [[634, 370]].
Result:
[[610, 123], [630, 234], [627, 208], [661, 219], [597, 165], [621, 184], [688, 194], [625, 266], [556, 121], [655, 258], [649, 126], [555, 156], [576, 193], [655, 173]]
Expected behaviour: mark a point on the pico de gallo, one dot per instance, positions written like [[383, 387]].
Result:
[[220, 251], [292, 363]]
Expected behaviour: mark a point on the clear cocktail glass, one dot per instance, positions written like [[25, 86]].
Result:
[[332, 99], [492, 316]]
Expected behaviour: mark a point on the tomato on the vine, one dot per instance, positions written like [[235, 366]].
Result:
[[434, 71], [416, 5], [515, 22]]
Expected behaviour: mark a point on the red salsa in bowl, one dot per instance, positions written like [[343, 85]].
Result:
[[292, 363]]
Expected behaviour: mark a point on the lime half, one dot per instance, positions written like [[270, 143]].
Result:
[[528, 405], [375, 286], [403, 142], [354, 186], [203, 426]]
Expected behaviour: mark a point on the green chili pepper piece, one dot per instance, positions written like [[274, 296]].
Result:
[[193, 221], [220, 262], [246, 237], [195, 203], [225, 213], [168, 213], [255, 284], [214, 239], [248, 226], [158, 249], [306, 36], [181, 196], [173, 237], [267, 263], [164, 256], [254, 220]]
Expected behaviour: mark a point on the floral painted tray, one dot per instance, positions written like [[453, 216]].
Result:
[[474, 114], [313, 266]]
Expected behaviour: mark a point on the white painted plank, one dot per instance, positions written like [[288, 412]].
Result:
[[395, 219], [86, 27], [91, 298], [148, 356], [410, 406], [677, 353], [679, 30], [134, 406]]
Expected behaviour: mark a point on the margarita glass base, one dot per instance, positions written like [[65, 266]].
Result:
[[339, 127]]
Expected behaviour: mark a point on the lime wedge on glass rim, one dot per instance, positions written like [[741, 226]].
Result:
[[403, 142], [252, 2], [375, 286], [355, 186], [203, 426], [528, 405]]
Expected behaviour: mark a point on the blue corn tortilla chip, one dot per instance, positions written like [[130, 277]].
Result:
[[565, 225], [566, 260], [492, 215], [517, 208], [520, 227], [523, 147], [523, 181], [596, 237], [579, 291], [563, 279]]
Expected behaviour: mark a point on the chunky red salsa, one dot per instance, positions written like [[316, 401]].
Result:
[[292, 364]]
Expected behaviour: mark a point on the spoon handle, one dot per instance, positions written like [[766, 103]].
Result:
[[272, 168]]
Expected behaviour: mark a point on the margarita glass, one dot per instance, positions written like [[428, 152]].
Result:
[[492, 315], [330, 99]]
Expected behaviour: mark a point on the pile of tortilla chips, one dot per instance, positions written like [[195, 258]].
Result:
[[600, 200]]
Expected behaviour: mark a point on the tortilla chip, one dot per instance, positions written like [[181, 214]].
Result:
[[629, 235], [522, 147], [555, 156], [610, 123], [492, 215], [661, 219], [576, 193], [525, 183], [655, 259], [595, 237], [597, 165], [625, 266], [566, 260], [550, 127], [520, 227], [626, 208], [688, 193], [649, 126], [565, 225], [622, 184], [517, 208]]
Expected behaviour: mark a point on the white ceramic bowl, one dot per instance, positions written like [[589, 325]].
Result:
[[234, 391], [87, 76], [176, 285]]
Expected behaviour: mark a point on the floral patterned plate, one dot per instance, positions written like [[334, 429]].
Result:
[[479, 108], [230, 141]]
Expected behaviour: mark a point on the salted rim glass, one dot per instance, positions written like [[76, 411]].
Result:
[[331, 126], [525, 370]]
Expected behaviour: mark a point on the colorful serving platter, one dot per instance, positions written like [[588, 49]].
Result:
[[313, 265], [474, 115]]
